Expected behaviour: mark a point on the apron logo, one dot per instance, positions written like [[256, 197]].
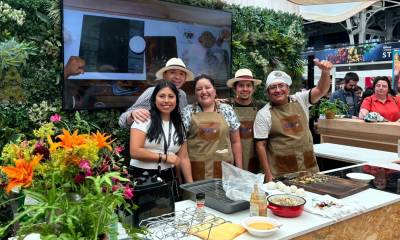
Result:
[[292, 125]]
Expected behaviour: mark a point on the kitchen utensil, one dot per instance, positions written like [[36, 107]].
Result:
[[257, 232], [361, 177], [294, 209]]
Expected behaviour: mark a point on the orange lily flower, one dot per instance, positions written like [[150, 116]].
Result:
[[22, 173], [101, 140], [70, 141]]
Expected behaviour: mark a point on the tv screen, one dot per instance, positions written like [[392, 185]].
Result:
[[113, 48]]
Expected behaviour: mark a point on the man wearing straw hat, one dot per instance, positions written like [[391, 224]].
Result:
[[176, 72], [283, 140], [244, 85]]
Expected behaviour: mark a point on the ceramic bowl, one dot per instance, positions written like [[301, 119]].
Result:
[[360, 177], [289, 211], [261, 233]]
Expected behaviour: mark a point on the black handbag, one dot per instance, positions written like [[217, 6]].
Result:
[[153, 197]]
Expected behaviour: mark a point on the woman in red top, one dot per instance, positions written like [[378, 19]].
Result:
[[381, 101]]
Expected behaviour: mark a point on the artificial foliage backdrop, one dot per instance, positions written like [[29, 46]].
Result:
[[31, 63]]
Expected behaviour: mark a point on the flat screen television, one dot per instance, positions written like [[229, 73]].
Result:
[[113, 48]]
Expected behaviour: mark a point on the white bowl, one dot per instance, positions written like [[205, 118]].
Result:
[[361, 177], [257, 232]]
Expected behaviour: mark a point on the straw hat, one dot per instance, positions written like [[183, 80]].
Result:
[[278, 77], [175, 63], [243, 74]]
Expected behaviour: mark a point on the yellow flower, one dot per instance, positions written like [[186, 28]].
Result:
[[101, 140], [22, 173]]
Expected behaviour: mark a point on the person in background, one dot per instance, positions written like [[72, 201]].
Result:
[[382, 101], [348, 95], [174, 71], [246, 108], [159, 144], [283, 139], [368, 92], [212, 132]]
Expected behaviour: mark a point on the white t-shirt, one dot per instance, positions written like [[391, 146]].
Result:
[[155, 147], [262, 123]]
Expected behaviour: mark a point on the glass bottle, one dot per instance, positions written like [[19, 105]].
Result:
[[258, 203], [200, 205]]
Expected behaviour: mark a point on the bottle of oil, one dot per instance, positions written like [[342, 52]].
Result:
[[258, 203]]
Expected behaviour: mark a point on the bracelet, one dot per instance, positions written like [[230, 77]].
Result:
[[166, 157], [159, 158]]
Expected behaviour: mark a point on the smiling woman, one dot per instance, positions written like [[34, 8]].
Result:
[[158, 145], [213, 132]]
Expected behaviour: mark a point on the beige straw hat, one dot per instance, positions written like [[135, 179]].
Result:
[[243, 74], [175, 63]]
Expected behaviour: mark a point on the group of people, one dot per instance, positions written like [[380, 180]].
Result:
[[170, 136], [380, 98]]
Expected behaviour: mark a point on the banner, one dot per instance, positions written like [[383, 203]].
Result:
[[396, 70], [371, 52]]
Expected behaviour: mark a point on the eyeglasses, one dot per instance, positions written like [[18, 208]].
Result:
[[281, 86]]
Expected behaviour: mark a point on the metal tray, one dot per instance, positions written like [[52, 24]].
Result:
[[215, 196]]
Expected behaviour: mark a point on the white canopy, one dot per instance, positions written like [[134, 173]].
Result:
[[315, 2], [332, 13]]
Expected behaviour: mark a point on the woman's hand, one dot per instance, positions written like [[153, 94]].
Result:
[[173, 159]]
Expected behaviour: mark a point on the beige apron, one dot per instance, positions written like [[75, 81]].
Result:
[[208, 144], [246, 117], [290, 146]]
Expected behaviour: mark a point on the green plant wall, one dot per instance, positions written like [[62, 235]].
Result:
[[262, 40]]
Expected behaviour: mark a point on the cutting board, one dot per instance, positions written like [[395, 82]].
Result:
[[334, 186]]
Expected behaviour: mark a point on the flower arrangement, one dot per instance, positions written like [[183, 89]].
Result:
[[73, 183]]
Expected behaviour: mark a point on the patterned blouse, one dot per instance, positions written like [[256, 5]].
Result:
[[226, 110]]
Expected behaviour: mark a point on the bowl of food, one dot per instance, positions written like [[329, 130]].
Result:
[[286, 205], [261, 226], [360, 177]]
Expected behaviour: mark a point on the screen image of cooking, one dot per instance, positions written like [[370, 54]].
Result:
[[105, 45], [158, 50]]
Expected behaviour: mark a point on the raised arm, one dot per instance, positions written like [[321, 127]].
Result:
[[324, 82]]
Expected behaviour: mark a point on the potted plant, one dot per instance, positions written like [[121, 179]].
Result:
[[329, 108], [73, 181]]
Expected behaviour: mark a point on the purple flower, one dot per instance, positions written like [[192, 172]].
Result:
[[79, 179], [128, 192], [40, 148], [55, 118]]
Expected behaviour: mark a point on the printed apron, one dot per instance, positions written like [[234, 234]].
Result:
[[208, 144], [289, 145], [246, 117]]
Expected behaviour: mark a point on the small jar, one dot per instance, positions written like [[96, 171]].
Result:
[[200, 204]]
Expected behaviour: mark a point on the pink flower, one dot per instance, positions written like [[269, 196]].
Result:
[[119, 149], [115, 188], [55, 118], [128, 192], [85, 165]]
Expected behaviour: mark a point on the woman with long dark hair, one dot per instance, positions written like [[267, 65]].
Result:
[[160, 142], [382, 101]]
